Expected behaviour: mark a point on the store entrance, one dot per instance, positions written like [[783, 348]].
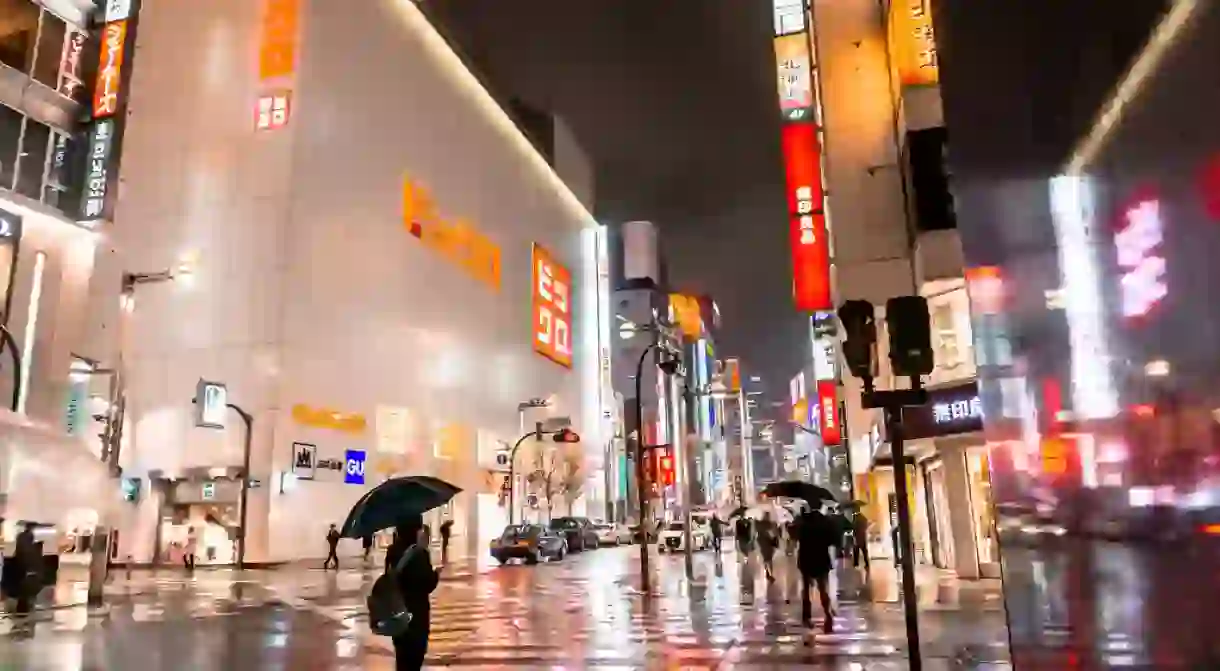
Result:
[[202, 513]]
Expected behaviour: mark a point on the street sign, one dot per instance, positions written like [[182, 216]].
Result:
[[209, 491], [304, 461], [211, 404], [353, 469]]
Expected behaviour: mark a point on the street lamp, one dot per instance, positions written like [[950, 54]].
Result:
[[669, 366]]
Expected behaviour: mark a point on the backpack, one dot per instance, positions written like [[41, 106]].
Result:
[[388, 613]]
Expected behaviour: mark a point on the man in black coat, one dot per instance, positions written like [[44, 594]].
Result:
[[817, 535], [417, 580]]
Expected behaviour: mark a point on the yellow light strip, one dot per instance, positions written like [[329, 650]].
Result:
[[479, 93], [1149, 61]]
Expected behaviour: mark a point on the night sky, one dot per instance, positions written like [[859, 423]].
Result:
[[675, 102]]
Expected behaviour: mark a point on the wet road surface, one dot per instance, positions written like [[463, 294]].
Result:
[[585, 611]]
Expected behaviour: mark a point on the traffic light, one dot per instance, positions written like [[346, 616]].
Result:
[[566, 436], [860, 326], [907, 320], [666, 467]]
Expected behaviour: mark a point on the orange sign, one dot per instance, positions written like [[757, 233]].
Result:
[[109, 70], [278, 46], [913, 42], [732, 375], [552, 308], [455, 240], [687, 315]]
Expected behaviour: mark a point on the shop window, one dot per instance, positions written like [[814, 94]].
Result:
[[944, 333], [10, 141], [32, 160], [50, 50], [61, 191], [18, 33]]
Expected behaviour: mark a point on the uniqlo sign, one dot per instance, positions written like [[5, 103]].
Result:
[[810, 246], [552, 308], [828, 413], [273, 111], [106, 89]]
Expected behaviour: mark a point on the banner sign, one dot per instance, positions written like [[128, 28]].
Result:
[[828, 413], [97, 170], [795, 77], [552, 308], [809, 240]]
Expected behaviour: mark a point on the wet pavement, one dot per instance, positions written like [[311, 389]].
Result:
[[585, 611]]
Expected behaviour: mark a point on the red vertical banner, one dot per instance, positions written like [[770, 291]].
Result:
[[828, 412], [810, 246]]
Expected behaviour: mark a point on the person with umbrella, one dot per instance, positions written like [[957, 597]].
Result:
[[417, 579], [400, 503], [818, 535]]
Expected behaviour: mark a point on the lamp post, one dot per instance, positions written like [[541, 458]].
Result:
[[669, 366]]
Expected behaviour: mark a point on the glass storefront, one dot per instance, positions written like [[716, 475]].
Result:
[[982, 520]]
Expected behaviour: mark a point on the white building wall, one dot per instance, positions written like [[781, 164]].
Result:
[[309, 289]]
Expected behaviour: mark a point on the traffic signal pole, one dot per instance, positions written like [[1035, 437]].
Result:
[[641, 487]]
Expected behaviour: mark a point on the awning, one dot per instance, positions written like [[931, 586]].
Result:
[[48, 476]]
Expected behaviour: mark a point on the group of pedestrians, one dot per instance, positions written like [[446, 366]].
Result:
[[366, 542], [816, 539]]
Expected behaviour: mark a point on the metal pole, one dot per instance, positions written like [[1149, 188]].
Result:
[[512, 463], [893, 416], [687, 486], [641, 485], [245, 485]]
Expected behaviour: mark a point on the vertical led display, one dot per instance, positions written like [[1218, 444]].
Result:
[[828, 412], [277, 63], [552, 308], [807, 218]]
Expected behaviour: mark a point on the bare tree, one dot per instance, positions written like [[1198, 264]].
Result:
[[573, 477]]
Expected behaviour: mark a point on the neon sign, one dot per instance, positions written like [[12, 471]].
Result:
[[1140, 261]]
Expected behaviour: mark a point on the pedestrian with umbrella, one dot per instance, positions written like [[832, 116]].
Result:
[[400, 602]]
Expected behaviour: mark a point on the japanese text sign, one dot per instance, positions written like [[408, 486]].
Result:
[[950, 410], [809, 240], [106, 89], [792, 64], [97, 168], [552, 308], [828, 412], [273, 111], [913, 42]]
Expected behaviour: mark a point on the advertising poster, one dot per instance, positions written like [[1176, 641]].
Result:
[[794, 76]]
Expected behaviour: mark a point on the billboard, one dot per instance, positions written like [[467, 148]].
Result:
[[107, 86], [552, 308], [807, 227], [913, 42], [795, 77], [828, 412]]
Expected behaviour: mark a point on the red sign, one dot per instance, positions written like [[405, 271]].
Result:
[[109, 69], [810, 246], [552, 308], [273, 111], [828, 412]]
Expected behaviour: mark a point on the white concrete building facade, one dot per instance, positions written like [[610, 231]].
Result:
[[366, 228]]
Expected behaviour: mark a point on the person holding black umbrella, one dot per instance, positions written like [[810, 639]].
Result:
[[417, 579], [818, 535]]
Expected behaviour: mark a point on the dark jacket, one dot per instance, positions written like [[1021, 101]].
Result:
[[817, 534], [417, 580]]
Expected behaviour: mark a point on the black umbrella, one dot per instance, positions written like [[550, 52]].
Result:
[[739, 511], [795, 489], [395, 500]]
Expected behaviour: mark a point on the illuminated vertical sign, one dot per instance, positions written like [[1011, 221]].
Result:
[[1140, 260], [828, 412], [795, 77], [913, 42], [107, 88], [97, 169], [552, 308], [809, 241], [277, 56]]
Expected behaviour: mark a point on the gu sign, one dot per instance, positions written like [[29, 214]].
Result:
[[552, 308]]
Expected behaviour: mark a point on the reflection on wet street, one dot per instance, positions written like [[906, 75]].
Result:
[[583, 612]]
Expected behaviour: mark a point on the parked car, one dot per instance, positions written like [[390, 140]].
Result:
[[528, 542], [673, 536], [612, 533], [578, 531]]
